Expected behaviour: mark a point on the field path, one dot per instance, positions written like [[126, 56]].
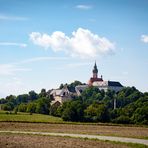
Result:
[[110, 138]]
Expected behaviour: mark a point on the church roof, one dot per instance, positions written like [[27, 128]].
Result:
[[80, 88], [95, 79], [114, 83], [59, 92]]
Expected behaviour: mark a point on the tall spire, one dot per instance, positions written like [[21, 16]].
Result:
[[95, 76], [95, 71]]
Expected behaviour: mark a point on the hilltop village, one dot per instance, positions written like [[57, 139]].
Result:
[[61, 95]]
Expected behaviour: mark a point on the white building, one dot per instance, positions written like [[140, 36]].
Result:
[[60, 95], [105, 85], [100, 83]]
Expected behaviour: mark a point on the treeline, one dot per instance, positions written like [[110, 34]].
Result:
[[31, 102], [93, 105]]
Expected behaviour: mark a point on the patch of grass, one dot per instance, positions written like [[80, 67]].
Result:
[[2, 112], [6, 116], [26, 117]]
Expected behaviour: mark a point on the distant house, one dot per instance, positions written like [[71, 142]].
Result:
[[99, 82], [60, 95], [80, 88]]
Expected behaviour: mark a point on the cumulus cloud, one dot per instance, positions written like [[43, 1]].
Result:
[[82, 43], [84, 7], [13, 44], [144, 38]]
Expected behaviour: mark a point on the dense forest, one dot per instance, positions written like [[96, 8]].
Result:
[[93, 105]]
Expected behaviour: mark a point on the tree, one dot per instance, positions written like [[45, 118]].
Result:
[[141, 115], [91, 113], [22, 107], [54, 109], [8, 103], [11, 98], [22, 98], [68, 114], [3, 101], [42, 106], [43, 93], [122, 120], [91, 94], [97, 112], [31, 107], [73, 111], [33, 95], [61, 86], [8, 106], [71, 87]]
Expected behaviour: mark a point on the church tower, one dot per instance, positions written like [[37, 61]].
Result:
[[95, 71], [95, 76]]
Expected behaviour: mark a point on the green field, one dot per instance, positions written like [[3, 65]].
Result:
[[46, 123], [6, 116], [26, 117]]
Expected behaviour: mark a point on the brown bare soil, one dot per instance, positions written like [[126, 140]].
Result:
[[123, 131], [34, 141]]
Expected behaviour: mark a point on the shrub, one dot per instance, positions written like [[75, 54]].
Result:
[[122, 120]]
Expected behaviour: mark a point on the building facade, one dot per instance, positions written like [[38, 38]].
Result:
[[60, 95], [95, 77], [99, 82]]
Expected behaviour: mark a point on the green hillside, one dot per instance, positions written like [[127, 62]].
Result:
[[93, 105]]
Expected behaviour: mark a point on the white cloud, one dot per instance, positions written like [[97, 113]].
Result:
[[84, 7], [12, 18], [13, 44], [83, 43], [144, 38], [10, 69], [36, 59]]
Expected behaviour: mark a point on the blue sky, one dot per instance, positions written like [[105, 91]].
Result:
[[48, 42]]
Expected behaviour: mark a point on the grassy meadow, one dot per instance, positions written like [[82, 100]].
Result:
[[26, 117]]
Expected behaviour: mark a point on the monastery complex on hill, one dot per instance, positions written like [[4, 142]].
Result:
[[100, 83], [61, 95]]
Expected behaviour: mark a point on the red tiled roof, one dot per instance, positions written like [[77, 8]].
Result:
[[94, 80]]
